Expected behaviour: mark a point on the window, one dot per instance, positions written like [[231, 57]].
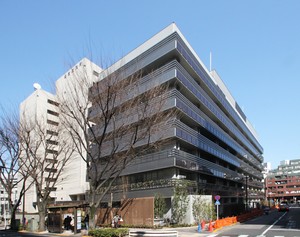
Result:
[[95, 73], [50, 170], [116, 204], [50, 179], [50, 151], [52, 122], [51, 142], [51, 160], [52, 112], [49, 132], [52, 102]]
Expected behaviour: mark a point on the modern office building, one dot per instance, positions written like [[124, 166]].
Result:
[[283, 183], [44, 109], [210, 141]]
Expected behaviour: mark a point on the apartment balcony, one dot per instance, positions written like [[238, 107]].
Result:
[[164, 51], [159, 76], [191, 136], [180, 159], [206, 79], [212, 110], [192, 186], [131, 117]]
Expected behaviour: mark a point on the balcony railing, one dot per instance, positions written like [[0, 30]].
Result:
[[153, 184]]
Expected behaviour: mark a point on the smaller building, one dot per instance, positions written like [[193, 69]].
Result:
[[283, 183], [5, 212]]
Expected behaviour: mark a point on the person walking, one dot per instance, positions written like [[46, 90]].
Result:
[[86, 221]]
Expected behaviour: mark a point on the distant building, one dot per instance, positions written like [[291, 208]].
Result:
[[283, 183], [267, 167]]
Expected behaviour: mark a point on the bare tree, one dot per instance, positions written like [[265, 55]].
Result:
[[122, 124], [12, 176], [44, 159]]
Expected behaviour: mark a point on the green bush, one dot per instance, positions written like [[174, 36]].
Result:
[[109, 232]]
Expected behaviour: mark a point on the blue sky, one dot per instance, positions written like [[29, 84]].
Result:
[[255, 46]]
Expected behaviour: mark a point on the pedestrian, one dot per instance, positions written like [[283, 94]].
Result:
[[86, 221], [120, 222], [67, 222], [116, 221]]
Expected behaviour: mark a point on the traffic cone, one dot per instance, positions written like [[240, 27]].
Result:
[[203, 225], [199, 228], [210, 228]]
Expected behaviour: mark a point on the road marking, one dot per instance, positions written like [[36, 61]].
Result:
[[286, 230], [273, 224]]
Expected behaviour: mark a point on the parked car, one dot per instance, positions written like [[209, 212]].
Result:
[[283, 207]]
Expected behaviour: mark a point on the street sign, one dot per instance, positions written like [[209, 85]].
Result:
[[217, 203], [217, 197]]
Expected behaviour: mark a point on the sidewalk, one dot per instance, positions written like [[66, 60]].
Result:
[[182, 232], [65, 233]]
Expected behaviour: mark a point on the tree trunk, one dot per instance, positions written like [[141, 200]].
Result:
[[13, 224], [93, 219], [42, 217]]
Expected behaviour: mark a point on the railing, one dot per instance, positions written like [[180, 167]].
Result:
[[160, 183]]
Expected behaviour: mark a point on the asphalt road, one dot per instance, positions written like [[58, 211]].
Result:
[[276, 224]]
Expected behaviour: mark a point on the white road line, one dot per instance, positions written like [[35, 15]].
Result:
[[287, 230], [273, 224], [243, 235]]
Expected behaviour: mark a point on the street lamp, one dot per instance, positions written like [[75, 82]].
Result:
[[246, 184], [246, 177]]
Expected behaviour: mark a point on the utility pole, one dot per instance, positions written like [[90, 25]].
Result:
[[23, 213], [246, 193]]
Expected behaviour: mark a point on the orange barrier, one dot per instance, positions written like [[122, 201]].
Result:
[[203, 225], [240, 218], [210, 228]]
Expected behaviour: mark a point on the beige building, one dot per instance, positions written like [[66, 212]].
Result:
[[44, 108]]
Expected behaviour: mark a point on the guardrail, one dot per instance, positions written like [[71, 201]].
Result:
[[153, 233]]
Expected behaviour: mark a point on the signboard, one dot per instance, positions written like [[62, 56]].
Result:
[[217, 197], [78, 219], [217, 203]]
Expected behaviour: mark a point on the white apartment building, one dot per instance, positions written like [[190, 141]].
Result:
[[42, 107]]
